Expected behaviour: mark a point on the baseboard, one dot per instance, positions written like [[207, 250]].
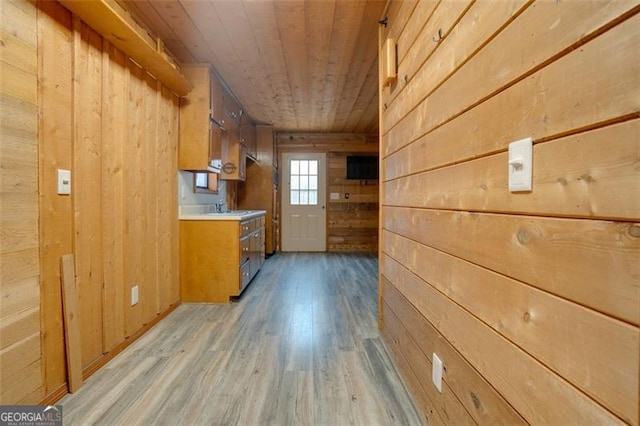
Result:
[[57, 394]]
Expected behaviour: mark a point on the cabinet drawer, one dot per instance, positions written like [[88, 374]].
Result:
[[245, 248], [246, 227], [245, 274]]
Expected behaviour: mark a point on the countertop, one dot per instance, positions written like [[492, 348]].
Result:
[[207, 212]]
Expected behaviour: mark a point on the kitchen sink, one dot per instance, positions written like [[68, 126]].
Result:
[[234, 212]]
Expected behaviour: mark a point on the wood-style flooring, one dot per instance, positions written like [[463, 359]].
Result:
[[300, 347]]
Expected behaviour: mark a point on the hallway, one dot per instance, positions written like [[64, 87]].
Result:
[[300, 347]]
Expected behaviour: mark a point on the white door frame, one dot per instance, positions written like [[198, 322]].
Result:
[[320, 212]]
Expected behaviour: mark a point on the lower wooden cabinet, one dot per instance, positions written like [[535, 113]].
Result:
[[219, 258]]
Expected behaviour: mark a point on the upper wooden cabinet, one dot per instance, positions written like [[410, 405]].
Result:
[[200, 138], [214, 127], [234, 156], [248, 137], [232, 110]]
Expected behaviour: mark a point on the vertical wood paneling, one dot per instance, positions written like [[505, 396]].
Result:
[[21, 380], [134, 235], [115, 128], [115, 118], [86, 185], [547, 280], [150, 199], [55, 100]]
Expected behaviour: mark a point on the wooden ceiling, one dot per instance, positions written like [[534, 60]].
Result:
[[299, 65]]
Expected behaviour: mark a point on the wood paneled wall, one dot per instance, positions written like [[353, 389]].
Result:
[[352, 224], [20, 362], [353, 221], [530, 299], [115, 127]]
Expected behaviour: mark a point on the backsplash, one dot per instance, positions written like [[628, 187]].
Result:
[[186, 196]]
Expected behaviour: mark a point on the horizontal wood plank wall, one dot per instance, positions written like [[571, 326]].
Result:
[[353, 221], [20, 361], [530, 299], [115, 128], [352, 224]]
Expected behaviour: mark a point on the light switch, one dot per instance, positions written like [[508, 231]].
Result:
[[335, 196], [436, 372], [520, 166], [64, 182]]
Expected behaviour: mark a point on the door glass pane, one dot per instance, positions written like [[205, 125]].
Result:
[[304, 182]]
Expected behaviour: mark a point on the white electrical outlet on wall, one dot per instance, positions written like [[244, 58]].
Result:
[[436, 372], [134, 295]]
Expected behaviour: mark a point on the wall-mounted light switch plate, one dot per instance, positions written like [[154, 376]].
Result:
[[520, 165], [64, 182], [335, 196], [436, 372]]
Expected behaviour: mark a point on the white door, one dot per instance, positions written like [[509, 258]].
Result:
[[304, 217]]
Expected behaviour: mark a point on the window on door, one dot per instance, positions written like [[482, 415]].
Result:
[[304, 182]]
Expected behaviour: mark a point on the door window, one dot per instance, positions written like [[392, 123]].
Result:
[[304, 182]]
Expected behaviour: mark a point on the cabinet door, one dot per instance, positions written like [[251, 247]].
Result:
[[217, 119], [231, 110], [234, 155], [194, 134], [248, 138]]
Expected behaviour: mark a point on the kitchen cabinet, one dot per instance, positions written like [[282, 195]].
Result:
[[248, 137], [233, 151], [234, 156], [219, 258], [200, 138], [232, 110], [259, 191]]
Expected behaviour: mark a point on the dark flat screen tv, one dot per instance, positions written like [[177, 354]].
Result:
[[362, 167]]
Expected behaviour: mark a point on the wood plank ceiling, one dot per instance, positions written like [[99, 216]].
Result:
[[299, 65]]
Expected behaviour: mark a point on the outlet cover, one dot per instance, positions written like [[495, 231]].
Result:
[[134, 295], [436, 372]]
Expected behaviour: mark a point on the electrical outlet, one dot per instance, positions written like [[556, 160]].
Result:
[[436, 372], [134, 295]]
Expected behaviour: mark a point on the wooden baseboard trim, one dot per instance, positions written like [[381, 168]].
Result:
[[56, 395]]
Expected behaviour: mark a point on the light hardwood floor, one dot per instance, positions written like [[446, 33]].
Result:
[[300, 347]]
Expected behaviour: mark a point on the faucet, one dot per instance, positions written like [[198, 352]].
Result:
[[218, 206]]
